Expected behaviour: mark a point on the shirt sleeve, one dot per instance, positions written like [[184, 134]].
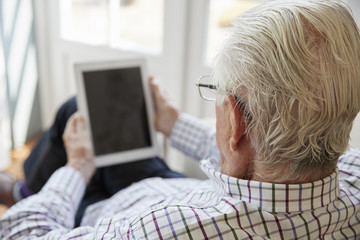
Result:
[[194, 137], [50, 213]]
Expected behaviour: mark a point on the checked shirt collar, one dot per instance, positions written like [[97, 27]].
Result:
[[271, 197]]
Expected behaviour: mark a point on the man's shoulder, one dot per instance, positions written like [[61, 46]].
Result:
[[349, 170], [186, 218], [350, 160]]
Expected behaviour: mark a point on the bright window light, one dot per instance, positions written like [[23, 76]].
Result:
[[125, 24], [222, 12]]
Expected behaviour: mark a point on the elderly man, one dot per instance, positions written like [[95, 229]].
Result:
[[287, 87]]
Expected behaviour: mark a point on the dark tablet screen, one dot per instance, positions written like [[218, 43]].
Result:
[[117, 110]]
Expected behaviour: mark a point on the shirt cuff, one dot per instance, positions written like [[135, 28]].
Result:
[[190, 135], [69, 183]]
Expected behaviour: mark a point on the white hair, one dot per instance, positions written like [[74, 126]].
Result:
[[297, 66]]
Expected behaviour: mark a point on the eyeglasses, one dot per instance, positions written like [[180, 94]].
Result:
[[207, 90]]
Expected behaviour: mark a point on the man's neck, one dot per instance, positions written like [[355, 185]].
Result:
[[281, 174]]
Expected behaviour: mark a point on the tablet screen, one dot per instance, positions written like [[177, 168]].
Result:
[[117, 110]]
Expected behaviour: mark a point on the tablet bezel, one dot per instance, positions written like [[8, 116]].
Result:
[[128, 155]]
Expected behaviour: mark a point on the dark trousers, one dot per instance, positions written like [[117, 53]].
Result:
[[49, 154]]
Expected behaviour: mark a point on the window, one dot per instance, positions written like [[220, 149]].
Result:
[[222, 12], [124, 24]]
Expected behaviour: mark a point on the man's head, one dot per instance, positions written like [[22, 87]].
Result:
[[296, 64]]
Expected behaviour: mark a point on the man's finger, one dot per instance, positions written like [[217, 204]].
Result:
[[155, 92], [75, 124], [70, 125], [80, 121], [153, 85]]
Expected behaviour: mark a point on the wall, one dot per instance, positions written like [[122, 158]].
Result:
[[355, 134]]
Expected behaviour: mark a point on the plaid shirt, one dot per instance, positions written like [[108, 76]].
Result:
[[222, 207]]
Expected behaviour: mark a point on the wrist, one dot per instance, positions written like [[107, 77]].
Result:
[[85, 168], [171, 123]]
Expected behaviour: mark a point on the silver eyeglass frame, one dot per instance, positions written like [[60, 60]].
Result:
[[241, 103], [204, 85]]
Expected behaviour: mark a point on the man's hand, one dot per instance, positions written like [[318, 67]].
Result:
[[78, 147], [165, 113]]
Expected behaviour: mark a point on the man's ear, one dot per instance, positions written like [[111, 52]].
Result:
[[237, 122]]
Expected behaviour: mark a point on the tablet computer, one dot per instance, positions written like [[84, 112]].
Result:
[[115, 99]]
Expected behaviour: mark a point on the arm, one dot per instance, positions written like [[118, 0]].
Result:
[[50, 213], [188, 134], [194, 138]]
